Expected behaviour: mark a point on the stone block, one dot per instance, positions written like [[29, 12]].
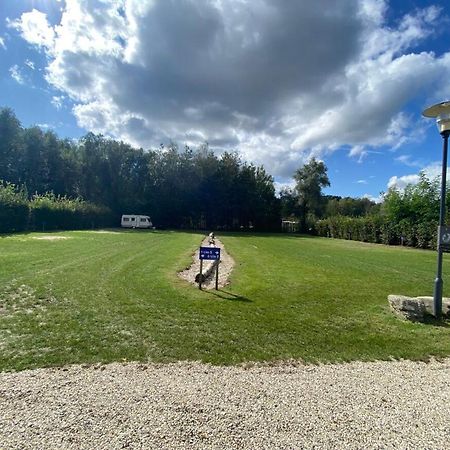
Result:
[[416, 308], [407, 307], [428, 302]]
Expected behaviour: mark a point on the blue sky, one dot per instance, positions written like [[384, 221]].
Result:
[[280, 82]]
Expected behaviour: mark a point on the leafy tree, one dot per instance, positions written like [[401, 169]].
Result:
[[347, 206], [289, 204], [188, 188], [417, 203], [310, 179], [13, 208], [11, 146]]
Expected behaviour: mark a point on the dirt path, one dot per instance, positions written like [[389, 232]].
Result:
[[225, 267]]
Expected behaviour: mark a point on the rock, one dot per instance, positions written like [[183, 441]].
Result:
[[416, 308], [407, 307], [428, 302], [198, 276]]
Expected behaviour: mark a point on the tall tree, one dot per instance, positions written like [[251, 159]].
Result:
[[310, 179], [11, 146], [189, 188]]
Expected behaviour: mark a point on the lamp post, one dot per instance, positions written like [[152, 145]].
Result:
[[441, 112]]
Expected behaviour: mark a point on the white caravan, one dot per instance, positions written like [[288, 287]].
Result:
[[135, 221]]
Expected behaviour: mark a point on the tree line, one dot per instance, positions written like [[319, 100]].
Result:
[[188, 188], [48, 182], [307, 204], [404, 217]]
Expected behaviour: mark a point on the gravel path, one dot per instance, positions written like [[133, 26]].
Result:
[[402, 405], [225, 268]]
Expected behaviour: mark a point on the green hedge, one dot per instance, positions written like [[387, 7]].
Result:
[[48, 212], [379, 230], [14, 208]]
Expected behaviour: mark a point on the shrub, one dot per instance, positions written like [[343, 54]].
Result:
[[52, 212], [14, 209], [48, 212], [378, 229]]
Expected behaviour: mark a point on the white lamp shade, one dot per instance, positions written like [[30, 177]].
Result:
[[441, 112]]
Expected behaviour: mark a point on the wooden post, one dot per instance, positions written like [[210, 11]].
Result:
[[201, 275], [217, 275]]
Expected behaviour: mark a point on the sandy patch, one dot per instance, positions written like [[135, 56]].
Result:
[[225, 267], [50, 238], [104, 232]]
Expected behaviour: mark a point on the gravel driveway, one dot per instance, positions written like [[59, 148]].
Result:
[[401, 404]]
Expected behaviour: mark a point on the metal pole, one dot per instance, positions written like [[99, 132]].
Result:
[[217, 275], [438, 283], [201, 275]]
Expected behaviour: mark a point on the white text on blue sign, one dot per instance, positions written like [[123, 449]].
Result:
[[209, 253]]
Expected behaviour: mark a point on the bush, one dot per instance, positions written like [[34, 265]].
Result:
[[14, 209], [50, 212], [378, 229]]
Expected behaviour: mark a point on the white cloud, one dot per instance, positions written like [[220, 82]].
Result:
[[30, 64], [58, 101], [431, 171], [2, 43], [405, 159], [361, 181], [378, 199], [278, 81], [16, 74], [279, 186], [409, 161], [35, 29], [45, 126], [401, 182]]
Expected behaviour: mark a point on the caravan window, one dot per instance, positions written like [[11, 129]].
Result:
[[143, 220], [126, 219], [133, 219]]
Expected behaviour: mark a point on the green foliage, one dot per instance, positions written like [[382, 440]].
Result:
[[51, 212], [347, 206], [14, 208], [11, 146], [379, 230], [290, 207], [180, 189], [417, 203], [310, 179], [409, 217], [48, 212]]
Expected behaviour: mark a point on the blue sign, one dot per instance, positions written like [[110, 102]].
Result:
[[209, 253]]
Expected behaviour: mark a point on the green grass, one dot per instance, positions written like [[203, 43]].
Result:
[[100, 297]]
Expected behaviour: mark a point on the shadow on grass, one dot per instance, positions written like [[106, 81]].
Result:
[[431, 320], [225, 295]]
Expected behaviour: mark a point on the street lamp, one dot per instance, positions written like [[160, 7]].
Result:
[[441, 112]]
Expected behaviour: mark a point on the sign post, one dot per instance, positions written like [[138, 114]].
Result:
[[211, 254], [201, 275], [217, 275]]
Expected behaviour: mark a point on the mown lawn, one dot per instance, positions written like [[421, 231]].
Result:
[[114, 296]]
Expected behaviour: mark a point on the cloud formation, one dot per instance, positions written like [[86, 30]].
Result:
[[431, 171], [278, 81], [16, 74]]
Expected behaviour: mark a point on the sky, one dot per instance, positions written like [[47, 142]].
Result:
[[278, 81]]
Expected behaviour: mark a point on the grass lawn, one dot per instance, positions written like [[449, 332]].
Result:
[[91, 296]]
